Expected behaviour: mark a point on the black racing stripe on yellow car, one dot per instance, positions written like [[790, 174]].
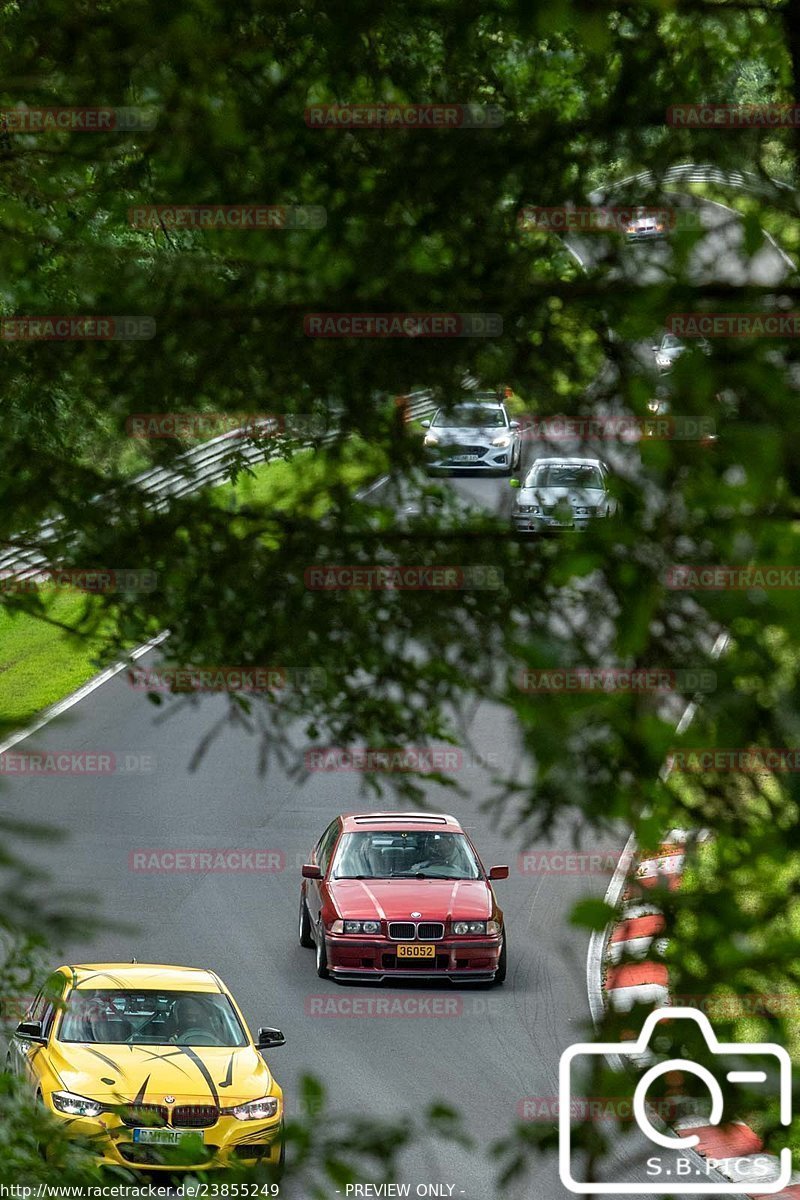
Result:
[[153, 1057], [108, 1061], [203, 1069], [228, 1080], [139, 1097]]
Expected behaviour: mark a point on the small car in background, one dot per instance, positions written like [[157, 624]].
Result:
[[389, 895], [670, 349], [646, 225], [474, 433], [562, 493]]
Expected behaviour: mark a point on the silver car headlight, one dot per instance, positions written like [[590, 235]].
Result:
[[257, 1110], [430, 439], [75, 1106], [585, 512], [530, 508], [502, 441], [362, 927]]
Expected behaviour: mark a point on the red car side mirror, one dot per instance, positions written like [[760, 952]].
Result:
[[498, 873], [312, 871]]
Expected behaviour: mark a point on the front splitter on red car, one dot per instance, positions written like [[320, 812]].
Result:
[[378, 959]]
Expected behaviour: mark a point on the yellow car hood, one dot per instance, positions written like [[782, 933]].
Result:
[[148, 1074]]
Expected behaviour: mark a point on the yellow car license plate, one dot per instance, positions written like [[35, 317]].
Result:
[[416, 950], [166, 1137]]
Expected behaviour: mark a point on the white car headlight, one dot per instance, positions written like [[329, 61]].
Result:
[[530, 508], [503, 440], [430, 439], [257, 1110], [75, 1106], [462, 927]]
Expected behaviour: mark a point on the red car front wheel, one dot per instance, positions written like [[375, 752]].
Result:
[[322, 955]]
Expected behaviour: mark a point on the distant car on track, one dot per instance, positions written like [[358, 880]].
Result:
[[562, 493], [671, 348], [646, 225], [155, 1065], [474, 433], [401, 894]]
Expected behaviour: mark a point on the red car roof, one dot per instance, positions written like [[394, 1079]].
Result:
[[399, 820]]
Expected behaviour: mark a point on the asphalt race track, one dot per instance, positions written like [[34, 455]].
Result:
[[488, 1051]]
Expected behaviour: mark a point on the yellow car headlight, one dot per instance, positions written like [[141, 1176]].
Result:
[[75, 1106], [257, 1110]]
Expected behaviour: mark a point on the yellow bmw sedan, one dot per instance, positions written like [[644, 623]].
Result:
[[154, 1064]]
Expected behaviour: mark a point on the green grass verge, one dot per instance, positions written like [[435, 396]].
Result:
[[40, 663]]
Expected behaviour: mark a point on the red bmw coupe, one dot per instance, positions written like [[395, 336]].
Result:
[[391, 894]]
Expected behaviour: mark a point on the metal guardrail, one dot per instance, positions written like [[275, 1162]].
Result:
[[204, 466], [746, 181]]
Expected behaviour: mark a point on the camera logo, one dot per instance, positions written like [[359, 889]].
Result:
[[759, 1170]]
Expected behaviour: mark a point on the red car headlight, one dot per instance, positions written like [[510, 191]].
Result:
[[370, 927], [461, 928]]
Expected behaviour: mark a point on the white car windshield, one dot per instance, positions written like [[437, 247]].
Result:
[[565, 475], [470, 416], [393, 854]]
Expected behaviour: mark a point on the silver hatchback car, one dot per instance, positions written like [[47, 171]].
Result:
[[473, 433], [562, 493]]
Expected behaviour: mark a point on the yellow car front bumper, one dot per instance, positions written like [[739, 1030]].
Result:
[[228, 1142]]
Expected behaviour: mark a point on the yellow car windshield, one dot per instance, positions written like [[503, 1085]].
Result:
[[142, 1017]]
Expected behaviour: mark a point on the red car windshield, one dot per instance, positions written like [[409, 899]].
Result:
[[405, 854]]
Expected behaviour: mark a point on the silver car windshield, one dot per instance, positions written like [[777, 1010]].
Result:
[[409, 854], [565, 475], [470, 416]]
